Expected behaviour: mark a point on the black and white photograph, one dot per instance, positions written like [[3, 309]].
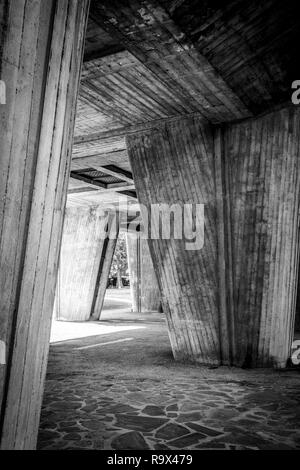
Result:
[[149, 229]]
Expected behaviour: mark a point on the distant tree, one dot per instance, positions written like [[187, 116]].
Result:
[[119, 266]]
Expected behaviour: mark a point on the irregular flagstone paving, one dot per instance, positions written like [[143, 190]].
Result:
[[94, 399]]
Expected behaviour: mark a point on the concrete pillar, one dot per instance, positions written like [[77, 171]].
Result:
[[40, 57], [297, 316], [108, 251], [233, 301], [262, 186], [143, 282], [174, 164], [85, 261]]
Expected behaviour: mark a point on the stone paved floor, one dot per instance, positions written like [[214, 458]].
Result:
[[121, 389]]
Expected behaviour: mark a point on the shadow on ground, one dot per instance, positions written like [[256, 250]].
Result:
[[121, 389]]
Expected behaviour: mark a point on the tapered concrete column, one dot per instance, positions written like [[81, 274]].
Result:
[[174, 164], [84, 265], [107, 254], [234, 300], [40, 57], [262, 185], [297, 316], [143, 283]]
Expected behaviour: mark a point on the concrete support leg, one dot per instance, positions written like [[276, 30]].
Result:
[[143, 282], [85, 261], [107, 255], [232, 301], [40, 58], [262, 186], [297, 316], [174, 164]]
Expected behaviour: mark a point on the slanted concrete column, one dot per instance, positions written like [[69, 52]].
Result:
[[40, 58], [107, 254], [174, 164], [262, 184], [144, 288], [234, 300], [85, 260]]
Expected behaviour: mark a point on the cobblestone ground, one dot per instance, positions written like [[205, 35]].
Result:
[[126, 392]]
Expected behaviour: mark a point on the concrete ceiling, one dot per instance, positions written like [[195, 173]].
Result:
[[150, 61]]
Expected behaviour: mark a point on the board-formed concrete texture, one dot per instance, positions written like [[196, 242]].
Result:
[[145, 292], [128, 104], [227, 301], [84, 249], [40, 60]]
